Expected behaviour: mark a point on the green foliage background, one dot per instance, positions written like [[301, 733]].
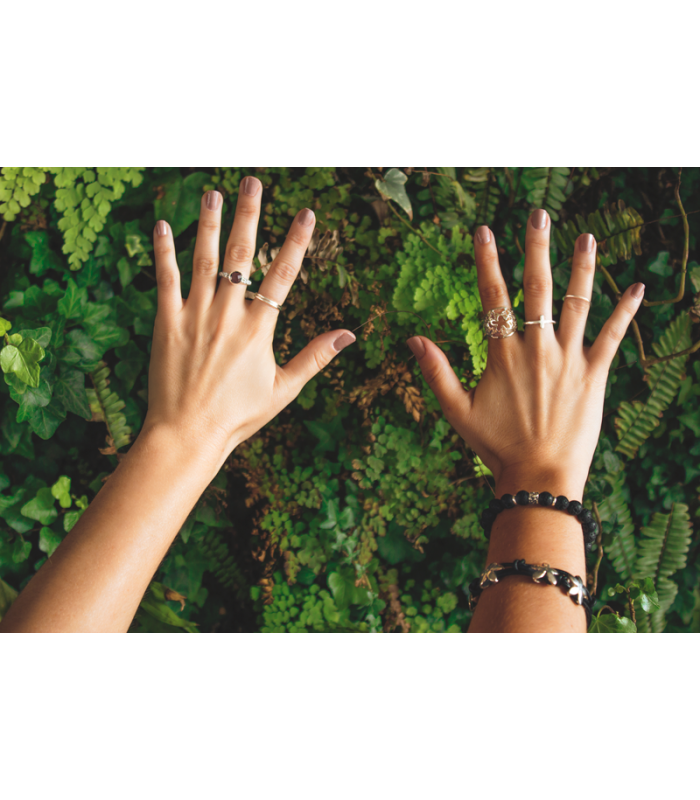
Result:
[[357, 508]]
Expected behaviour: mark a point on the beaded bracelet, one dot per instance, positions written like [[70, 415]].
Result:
[[546, 500], [571, 584]]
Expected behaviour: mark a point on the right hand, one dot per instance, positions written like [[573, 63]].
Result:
[[536, 414]]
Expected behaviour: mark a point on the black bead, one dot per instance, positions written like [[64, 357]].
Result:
[[545, 499], [522, 498], [590, 527], [496, 505], [574, 508], [590, 546], [487, 518], [590, 537], [585, 516], [562, 503], [508, 501]]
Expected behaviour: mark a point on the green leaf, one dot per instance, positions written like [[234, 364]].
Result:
[[660, 265], [155, 604], [41, 507], [80, 351], [132, 361], [43, 258], [7, 597], [32, 399], [127, 270], [395, 548], [611, 623], [392, 187], [23, 361], [48, 541], [73, 301], [40, 335], [44, 421], [15, 339], [69, 389], [70, 518], [5, 326], [181, 202], [61, 491], [107, 336], [342, 588], [21, 551]]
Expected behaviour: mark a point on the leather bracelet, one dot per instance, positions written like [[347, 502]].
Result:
[[571, 584], [546, 500]]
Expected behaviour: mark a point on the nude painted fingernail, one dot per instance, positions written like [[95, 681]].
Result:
[[483, 235], [306, 217], [417, 346], [539, 219], [637, 290], [161, 228], [213, 200], [585, 243], [343, 341], [250, 186]]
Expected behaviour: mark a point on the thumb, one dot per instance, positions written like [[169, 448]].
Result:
[[455, 402], [317, 354]]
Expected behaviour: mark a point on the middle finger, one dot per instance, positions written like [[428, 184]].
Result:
[[537, 279]]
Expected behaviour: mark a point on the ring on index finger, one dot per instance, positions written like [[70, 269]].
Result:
[[499, 323]]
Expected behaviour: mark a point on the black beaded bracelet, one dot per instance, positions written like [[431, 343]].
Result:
[[571, 584], [547, 500]]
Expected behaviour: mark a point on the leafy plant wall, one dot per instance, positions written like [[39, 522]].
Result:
[[357, 508]]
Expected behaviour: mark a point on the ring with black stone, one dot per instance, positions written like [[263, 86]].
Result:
[[235, 277]]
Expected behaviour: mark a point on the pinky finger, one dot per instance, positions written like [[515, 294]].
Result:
[[167, 272], [603, 350]]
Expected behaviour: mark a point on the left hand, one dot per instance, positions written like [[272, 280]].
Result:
[[213, 380]]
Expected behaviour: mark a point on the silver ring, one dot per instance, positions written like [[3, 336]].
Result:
[[577, 296], [233, 279], [499, 323], [258, 296], [541, 321]]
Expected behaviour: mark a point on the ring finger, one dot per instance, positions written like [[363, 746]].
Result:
[[537, 278], [574, 313]]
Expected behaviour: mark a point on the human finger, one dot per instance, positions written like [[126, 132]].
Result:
[[603, 350], [574, 312], [537, 278], [317, 354], [492, 287], [205, 262], [439, 375], [240, 248], [287, 263], [167, 273]]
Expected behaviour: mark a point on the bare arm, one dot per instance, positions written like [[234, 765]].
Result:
[[534, 419], [213, 382]]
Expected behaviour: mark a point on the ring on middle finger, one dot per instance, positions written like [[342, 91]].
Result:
[[235, 277], [499, 323]]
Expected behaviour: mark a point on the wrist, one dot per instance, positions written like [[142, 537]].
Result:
[[557, 482], [159, 440]]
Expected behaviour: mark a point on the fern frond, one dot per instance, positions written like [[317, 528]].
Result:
[[223, 564], [637, 420], [547, 187], [622, 551], [662, 552], [618, 233], [106, 406], [487, 194]]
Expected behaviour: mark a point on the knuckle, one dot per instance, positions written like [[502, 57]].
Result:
[[492, 294], [320, 359], [577, 305], [285, 271], [537, 286], [209, 224], [296, 237], [239, 253], [166, 278], [615, 331], [205, 265]]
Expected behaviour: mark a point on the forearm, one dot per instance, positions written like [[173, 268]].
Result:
[[96, 578], [538, 535]]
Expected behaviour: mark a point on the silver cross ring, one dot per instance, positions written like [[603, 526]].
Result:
[[541, 321]]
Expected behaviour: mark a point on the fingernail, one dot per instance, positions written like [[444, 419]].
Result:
[[637, 290], [250, 186], [417, 346], [539, 219], [585, 243], [306, 217], [343, 341], [161, 228], [483, 235], [213, 200]]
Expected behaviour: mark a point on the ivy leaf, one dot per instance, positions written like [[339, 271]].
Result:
[[45, 420], [392, 188], [61, 491], [69, 389], [611, 623], [72, 302], [7, 597], [127, 271], [181, 201], [132, 361], [41, 508], [21, 551], [23, 361], [70, 518], [32, 399], [80, 351], [5, 326], [48, 541], [649, 599], [660, 265], [43, 258], [40, 335], [395, 548], [342, 587]]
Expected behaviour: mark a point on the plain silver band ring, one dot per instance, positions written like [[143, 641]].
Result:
[[258, 296], [577, 296], [242, 280]]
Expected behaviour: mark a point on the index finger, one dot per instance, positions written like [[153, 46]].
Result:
[[287, 264]]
